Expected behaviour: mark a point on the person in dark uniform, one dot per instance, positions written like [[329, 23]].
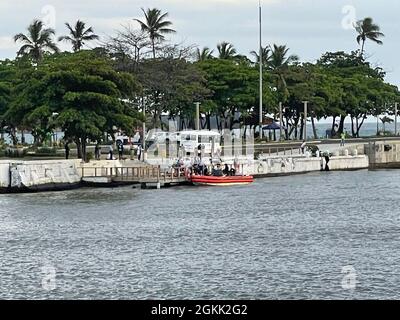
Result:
[[226, 170], [120, 150], [97, 151], [217, 172], [67, 150], [111, 153]]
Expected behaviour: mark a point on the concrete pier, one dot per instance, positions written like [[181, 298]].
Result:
[[31, 176]]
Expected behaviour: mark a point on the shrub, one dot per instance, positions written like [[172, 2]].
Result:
[[89, 156], [46, 150], [15, 152]]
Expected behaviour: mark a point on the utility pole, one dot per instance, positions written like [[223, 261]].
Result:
[[396, 105], [280, 120], [305, 120], [261, 72], [197, 120], [143, 151]]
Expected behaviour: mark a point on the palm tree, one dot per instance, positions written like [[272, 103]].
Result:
[[204, 54], [266, 51], [79, 35], [278, 63], [279, 59], [37, 41], [366, 29], [226, 50], [155, 25], [385, 120]]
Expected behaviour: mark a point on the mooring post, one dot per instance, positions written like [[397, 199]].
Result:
[[158, 178]]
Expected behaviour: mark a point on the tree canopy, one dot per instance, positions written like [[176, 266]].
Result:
[[80, 93], [90, 93]]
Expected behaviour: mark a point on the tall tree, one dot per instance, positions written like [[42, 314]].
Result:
[[7, 76], [279, 63], [171, 85], [367, 29], [226, 50], [38, 40], [235, 91], [79, 35], [89, 96], [266, 55], [156, 26], [204, 54]]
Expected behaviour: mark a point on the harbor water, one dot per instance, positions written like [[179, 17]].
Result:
[[281, 238]]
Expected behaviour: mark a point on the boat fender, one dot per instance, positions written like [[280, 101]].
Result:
[[260, 168]]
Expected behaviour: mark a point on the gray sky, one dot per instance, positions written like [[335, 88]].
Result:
[[308, 27]]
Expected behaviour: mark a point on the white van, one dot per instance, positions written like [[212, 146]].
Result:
[[210, 141]]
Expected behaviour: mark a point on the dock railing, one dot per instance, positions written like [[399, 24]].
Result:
[[135, 174]]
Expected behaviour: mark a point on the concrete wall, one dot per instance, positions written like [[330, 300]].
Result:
[[348, 163], [295, 165], [4, 173], [32, 174], [383, 153], [284, 166]]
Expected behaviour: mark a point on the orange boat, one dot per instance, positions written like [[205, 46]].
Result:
[[221, 181]]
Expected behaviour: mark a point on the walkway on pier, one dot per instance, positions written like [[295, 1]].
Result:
[[147, 177]]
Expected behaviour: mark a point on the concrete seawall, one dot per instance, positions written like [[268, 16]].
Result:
[[22, 176], [296, 165], [383, 155]]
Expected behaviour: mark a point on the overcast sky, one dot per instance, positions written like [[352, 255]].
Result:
[[308, 27]]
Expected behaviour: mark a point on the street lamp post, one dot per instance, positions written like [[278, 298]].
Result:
[[142, 155], [144, 127], [261, 72], [197, 120], [395, 117], [53, 135], [280, 120], [305, 119]]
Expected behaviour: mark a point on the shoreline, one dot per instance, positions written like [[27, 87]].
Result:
[[59, 175]]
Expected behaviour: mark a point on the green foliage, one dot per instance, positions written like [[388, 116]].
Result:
[[15, 152], [171, 85], [46, 151], [80, 93], [36, 42], [155, 25], [89, 93], [367, 29], [234, 87], [79, 35], [89, 156]]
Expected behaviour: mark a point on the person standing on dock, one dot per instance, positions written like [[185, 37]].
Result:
[[97, 151], [120, 150], [303, 147], [67, 149], [111, 153], [342, 139], [139, 152]]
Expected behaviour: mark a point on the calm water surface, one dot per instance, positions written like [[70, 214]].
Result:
[[284, 238]]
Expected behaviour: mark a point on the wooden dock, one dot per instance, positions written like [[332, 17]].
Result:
[[147, 177]]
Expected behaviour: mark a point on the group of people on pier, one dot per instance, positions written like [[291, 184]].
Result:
[[199, 168]]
